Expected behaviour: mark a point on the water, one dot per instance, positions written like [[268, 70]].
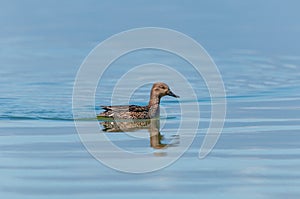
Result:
[[257, 155]]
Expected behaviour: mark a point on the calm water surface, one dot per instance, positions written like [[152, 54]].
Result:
[[257, 155]]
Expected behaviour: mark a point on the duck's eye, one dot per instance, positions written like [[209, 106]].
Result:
[[162, 87]]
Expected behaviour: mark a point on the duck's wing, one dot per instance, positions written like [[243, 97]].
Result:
[[114, 108], [130, 108], [135, 108]]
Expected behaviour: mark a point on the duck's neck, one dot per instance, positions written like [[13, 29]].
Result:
[[154, 105], [154, 100]]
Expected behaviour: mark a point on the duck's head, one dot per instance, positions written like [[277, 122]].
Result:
[[161, 89]]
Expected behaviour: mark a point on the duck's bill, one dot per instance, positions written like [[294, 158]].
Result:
[[170, 93]]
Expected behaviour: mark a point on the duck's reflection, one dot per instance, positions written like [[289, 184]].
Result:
[[153, 126]]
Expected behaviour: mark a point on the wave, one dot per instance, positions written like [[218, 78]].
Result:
[[22, 118], [34, 118]]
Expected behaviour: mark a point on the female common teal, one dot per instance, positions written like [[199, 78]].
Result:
[[158, 90]]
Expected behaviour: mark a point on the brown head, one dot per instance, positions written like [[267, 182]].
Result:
[[160, 89]]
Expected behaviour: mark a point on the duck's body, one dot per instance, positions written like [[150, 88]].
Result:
[[125, 112], [140, 112]]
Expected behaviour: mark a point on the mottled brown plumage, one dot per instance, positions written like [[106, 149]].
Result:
[[158, 90]]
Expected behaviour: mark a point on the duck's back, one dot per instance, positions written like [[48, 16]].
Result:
[[125, 112]]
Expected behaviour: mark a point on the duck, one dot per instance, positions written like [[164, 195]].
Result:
[[158, 90]]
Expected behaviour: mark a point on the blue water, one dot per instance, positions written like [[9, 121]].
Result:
[[255, 48]]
